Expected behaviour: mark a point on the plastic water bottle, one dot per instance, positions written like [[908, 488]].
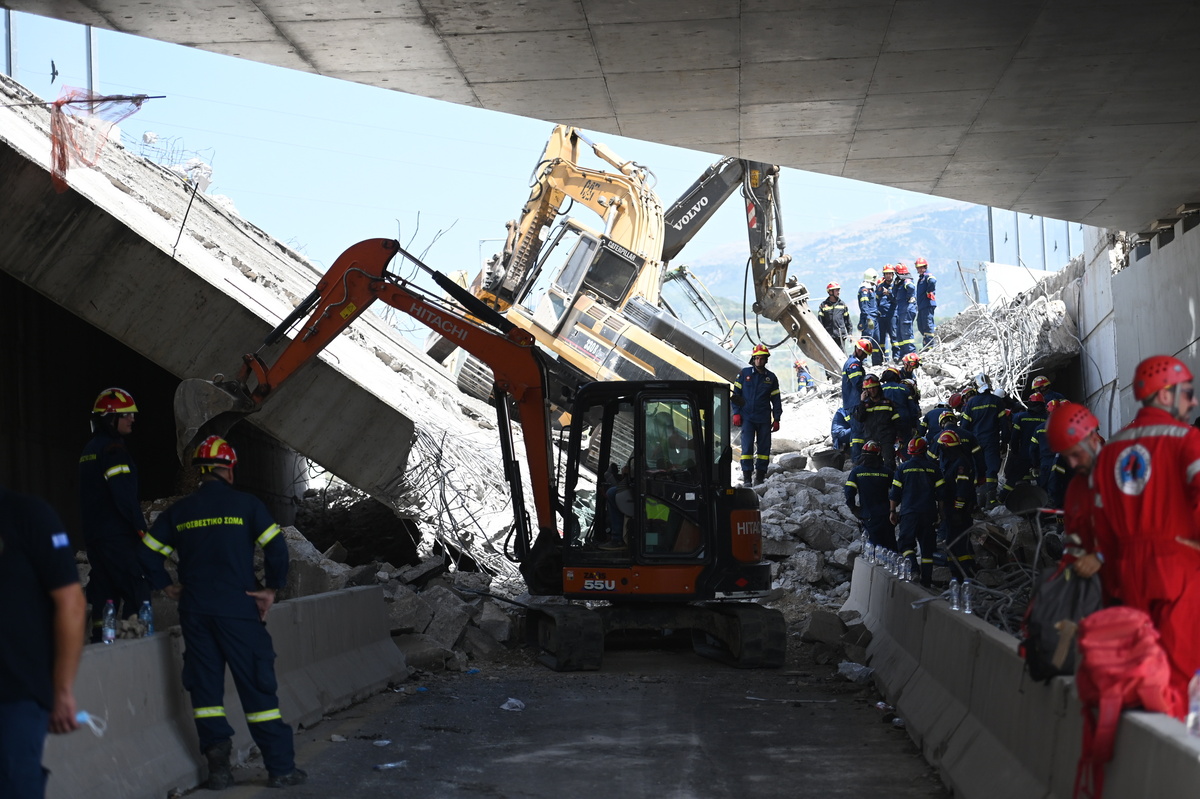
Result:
[[968, 596], [870, 554], [955, 595], [907, 573], [1193, 716], [146, 617], [108, 632]]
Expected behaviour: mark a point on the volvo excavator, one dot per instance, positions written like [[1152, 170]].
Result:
[[663, 541], [596, 300]]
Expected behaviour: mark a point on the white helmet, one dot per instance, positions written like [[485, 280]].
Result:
[[982, 382], [870, 276]]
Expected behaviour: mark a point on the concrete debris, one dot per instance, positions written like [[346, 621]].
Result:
[[855, 672], [822, 626]]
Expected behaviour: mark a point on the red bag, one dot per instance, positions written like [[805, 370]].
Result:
[[1121, 665]]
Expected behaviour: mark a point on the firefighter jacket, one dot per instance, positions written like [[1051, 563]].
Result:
[[867, 489], [108, 491], [853, 373], [904, 297], [214, 530], [835, 317], [926, 290], [902, 399], [841, 430], [879, 422], [958, 471], [1024, 427], [931, 422], [759, 392], [915, 486], [868, 310], [981, 415], [883, 298]]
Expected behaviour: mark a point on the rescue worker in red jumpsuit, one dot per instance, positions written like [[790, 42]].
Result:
[[1074, 433], [1147, 496]]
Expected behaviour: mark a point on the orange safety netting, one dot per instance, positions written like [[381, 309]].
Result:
[[80, 122]]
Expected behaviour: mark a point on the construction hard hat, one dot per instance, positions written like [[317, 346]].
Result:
[[1039, 382], [916, 446], [870, 380], [871, 448], [833, 286], [901, 269], [865, 345], [982, 382], [949, 438], [762, 350], [1037, 397], [947, 416], [888, 268], [956, 400], [114, 400], [870, 276], [890, 375], [1054, 403], [214, 451], [1069, 423], [922, 262], [911, 359], [1158, 371]]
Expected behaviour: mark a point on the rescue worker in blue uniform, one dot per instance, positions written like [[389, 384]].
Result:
[[878, 421], [112, 518], [904, 311], [759, 408], [908, 367], [886, 304], [931, 422], [853, 372], [868, 315], [957, 501], [841, 430], [1018, 467], [804, 378], [1041, 384], [835, 316], [223, 611], [926, 303], [869, 484], [913, 501], [981, 417], [900, 394]]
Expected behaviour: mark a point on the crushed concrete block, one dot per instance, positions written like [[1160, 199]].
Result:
[[856, 653], [450, 616], [849, 617], [822, 626], [309, 572], [811, 480], [409, 612], [422, 652], [841, 557], [458, 661], [829, 458], [857, 635], [362, 575], [777, 548], [825, 654], [422, 571], [472, 581], [494, 621], [791, 461], [336, 552], [815, 531], [806, 565], [479, 645]]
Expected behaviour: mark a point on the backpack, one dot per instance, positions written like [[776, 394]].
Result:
[[1061, 598], [1121, 664]]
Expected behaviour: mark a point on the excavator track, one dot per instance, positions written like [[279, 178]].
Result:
[[744, 635], [569, 637]]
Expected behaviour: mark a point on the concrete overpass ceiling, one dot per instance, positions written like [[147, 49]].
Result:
[[1075, 110]]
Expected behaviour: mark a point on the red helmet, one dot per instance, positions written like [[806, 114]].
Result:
[[1040, 382], [833, 286], [901, 269], [1036, 397], [114, 400], [916, 446], [1069, 423], [888, 268], [871, 448], [870, 380], [1054, 403], [956, 400], [890, 375], [762, 350], [922, 262], [948, 438], [214, 451], [947, 416], [911, 360], [865, 345], [1158, 371]]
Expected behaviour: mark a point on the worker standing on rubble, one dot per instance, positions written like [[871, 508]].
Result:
[[886, 303], [842, 430], [981, 416], [914, 509], [868, 314], [223, 612], [900, 394], [926, 303], [1054, 471], [866, 492], [835, 316], [112, 518], [908, 367], [1147, 500], [853, 372], [758, 407], [1023, 426], [904, 311], [878, 421], [1041, 384], [40, 656], [957, 501], [804, 378], [1073, 432]]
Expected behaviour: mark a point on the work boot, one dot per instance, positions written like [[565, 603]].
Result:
[[760, 478], [746, 480], [220, 776], [293, 777]]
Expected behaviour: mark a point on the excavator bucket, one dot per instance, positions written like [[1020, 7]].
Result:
[[204, 408]]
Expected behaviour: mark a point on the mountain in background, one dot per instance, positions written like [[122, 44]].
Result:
[[944, 233]]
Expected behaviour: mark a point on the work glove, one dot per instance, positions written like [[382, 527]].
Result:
[[737, 420], [775, 426]]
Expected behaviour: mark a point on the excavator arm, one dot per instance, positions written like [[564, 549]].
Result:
[[358, 278]]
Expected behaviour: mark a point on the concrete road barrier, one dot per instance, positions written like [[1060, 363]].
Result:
[[332, 650], [991, 731]]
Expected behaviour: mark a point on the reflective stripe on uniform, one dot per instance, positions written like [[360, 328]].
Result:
[[116, 470], [208, 712], [1168, 430], [1192, 468], [263, 715], [156, 545], [268, 534]]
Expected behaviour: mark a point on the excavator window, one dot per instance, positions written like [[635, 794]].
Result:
[[612, 273], [672, 513], [559, 273]]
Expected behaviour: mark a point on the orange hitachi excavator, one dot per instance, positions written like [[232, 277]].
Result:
[[664, 538]]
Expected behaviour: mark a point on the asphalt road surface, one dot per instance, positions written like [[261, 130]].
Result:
[[659, 723]]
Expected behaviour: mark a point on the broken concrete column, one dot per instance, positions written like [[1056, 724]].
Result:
[[409, 612], [824, 627], [495, 622], [450, 616]]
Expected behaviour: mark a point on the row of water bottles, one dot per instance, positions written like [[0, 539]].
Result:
[[109, 624], [962, 597], [893, 562]]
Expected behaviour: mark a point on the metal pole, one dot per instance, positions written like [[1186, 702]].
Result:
[[10, 44], [991, 235], [90, 55]]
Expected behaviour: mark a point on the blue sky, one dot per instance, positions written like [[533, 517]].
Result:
[[320, 163]]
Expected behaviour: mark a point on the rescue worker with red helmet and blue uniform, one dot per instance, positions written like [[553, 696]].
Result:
[[757, 410]]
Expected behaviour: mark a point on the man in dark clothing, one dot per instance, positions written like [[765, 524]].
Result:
[[40, 587], [914, 508], [981, 417], [223, 611], [853, 372], [870, 483], [904, 310], [868, 314], [841, 430], [957, 501], [1024, 425], [886, 304], [835, 316], [878, 421], [112, 517], [926, 303], [900, 394], [1041, 384], [756, 399]]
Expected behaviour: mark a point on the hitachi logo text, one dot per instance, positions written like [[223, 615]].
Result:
[[691, 214], [747, 528], [437, 322]]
